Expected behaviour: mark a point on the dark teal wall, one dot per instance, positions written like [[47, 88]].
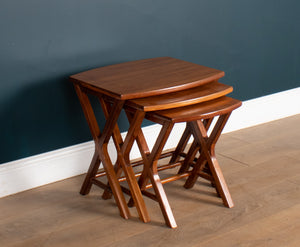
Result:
[[42, 42]]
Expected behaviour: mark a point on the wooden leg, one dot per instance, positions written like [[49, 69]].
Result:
[[132, 134], [150, 172], [154, 177], [94, 166], [123, 161], [113, 182], [118, 141], [181, 144], [105, 158], [162, 199], [95, 131], [194, 148], [101, 153], [142, 145], [208, 155]]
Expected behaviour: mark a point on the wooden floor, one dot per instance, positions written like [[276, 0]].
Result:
[[261, 166]]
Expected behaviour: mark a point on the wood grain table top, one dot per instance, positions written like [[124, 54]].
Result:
[[146, 77]]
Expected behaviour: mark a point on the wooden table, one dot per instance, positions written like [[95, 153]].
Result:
[[118, 86]]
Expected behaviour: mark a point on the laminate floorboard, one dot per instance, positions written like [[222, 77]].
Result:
[[261, 165]]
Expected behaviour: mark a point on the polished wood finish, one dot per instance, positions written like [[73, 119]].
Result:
[[140, 87], [208, 156], [262, 172], [191, 96], [189, 157], [199, 118], [194, 112], [101, 153], [123, 161], [150, 172], [148, 77]]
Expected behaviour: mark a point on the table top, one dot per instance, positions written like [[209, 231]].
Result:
[[181, 98], [147, 77]]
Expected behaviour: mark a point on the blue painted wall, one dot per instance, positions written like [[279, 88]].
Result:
[[42, 42]]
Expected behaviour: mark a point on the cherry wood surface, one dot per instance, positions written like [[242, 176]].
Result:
[[181, 98], [146, 77], [101, 154], [199, 118], [151, 84], [202, 110]]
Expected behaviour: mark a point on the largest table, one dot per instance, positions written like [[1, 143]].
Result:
[[115, 85]]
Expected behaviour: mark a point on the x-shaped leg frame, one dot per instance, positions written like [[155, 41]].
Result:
[[189, 157], [101, 153], [150, 160], [208, 157], [150, 172]]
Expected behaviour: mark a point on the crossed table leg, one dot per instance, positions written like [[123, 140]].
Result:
[[198, 118], [208, 157], [101, 154], [150, 160], [150, 171], [197, 128], [197, 125], [207, 161]]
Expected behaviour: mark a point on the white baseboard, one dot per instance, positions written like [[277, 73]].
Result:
[[265, 109], [38, 170]]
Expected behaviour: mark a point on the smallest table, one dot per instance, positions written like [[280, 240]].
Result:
[[198, 110], [115, 86]]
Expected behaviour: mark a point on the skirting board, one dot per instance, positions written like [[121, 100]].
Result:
[[38, 170]]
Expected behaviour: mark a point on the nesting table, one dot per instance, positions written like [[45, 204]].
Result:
[[152, 89]]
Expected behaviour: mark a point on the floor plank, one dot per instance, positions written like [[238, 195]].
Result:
[[261, 166]]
